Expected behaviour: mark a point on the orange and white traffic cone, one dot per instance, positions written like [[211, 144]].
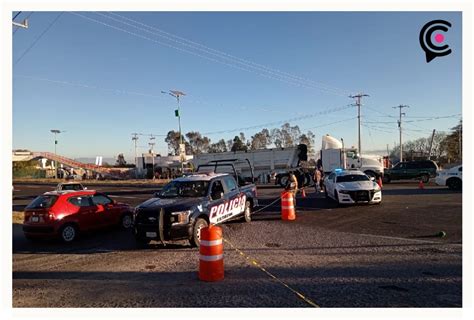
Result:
[[379, 182], [421, 185]]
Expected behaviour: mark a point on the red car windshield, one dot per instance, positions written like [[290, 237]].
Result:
[[42, 202]]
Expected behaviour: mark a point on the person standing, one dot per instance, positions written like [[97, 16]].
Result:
[[292, 186], [317, 180]]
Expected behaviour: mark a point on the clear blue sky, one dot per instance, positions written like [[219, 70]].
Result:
[[81, 77]]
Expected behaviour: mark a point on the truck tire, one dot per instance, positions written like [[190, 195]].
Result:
[[283, 180], [196, 237], [248, 212]]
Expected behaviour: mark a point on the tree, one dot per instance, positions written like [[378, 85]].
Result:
[[308, 140], [173, 141], [260, 140], [420, 148], [120, 160], [453, 144], [197, 142], [220, 146], [238, 144], [286, 136]]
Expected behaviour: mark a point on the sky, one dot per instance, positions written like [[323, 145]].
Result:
[[98, 77]]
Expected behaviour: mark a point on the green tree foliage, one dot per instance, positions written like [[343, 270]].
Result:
[[26, 169], [173, 140], [260, 140], [239, 143], [420, 148], [219, 146], [197, 142], [453, 144]]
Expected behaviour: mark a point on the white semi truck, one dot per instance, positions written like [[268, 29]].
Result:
[[265, 163], [334, 155]]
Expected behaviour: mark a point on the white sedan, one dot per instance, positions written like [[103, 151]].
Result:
[[352, 186], [452, 178]]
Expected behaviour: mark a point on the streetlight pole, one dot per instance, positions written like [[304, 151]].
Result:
[[151, 144], [56, 132], [177, 94], [135, 139]]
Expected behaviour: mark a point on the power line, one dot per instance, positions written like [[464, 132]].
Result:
[[16, 15], [82, 85], [307, 116], [39, 37], [330, 123], [221, 54], [251, 70]]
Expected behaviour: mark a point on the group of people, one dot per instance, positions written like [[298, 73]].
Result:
[[292, 184]]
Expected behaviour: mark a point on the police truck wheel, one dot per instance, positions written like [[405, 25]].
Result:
[[248, 212], [196, 238]]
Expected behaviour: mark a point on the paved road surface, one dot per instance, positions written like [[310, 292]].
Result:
[[361, 256]]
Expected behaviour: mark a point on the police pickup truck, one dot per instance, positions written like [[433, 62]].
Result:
[[187, 204]]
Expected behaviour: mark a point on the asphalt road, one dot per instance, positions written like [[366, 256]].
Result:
[[384, 255]]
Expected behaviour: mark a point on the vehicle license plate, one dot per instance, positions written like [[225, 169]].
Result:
[[35, 219], [151, 234]]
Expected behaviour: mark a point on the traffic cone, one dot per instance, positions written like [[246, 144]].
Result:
[[421, 185], [379, 182], [303, 193]]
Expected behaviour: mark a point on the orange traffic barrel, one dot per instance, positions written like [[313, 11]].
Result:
[[287, 206], [211, 254]]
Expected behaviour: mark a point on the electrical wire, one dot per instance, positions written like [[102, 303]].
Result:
[[269, 124], [38, 38], [82, 85], [209, 50], [248, 68]]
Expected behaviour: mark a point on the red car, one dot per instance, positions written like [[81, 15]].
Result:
[[66, 213]]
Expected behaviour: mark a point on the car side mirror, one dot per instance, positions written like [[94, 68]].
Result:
[[372, 178], [157, 194], [85, 188]]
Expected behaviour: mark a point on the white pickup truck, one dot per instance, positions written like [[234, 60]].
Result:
[[70, 186]]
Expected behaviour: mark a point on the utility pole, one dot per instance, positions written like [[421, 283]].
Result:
[[56, 132], [151, 144], [400, 107], [135, 139], [358, 104], [431, 144], [24, 24], [177, 113]]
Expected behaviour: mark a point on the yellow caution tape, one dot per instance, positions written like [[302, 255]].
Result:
[[255, 263]]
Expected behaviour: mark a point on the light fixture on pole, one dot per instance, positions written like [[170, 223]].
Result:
[[56, 132], [152, 144], [182, 150]]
